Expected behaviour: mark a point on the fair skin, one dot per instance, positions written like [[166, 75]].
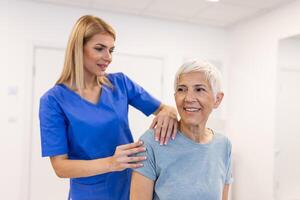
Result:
[[195, 101], [97, 55]]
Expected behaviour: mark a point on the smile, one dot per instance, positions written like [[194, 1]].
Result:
[[102, 65], [191, 109]]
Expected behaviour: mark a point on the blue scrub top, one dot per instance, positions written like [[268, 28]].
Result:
[[84, 131]]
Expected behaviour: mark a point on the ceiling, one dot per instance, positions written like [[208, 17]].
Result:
[[224, 13]]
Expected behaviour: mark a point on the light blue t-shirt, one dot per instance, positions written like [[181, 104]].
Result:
[[185, 170]]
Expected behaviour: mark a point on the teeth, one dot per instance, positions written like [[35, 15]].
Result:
[[192, 109]]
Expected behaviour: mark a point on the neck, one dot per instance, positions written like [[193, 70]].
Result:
[[198, 133], [90, 82]]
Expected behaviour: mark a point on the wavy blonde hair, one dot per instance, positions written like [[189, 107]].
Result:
[[85, 28]]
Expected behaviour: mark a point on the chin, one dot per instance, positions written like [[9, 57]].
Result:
[[193, 122], [101, 74]]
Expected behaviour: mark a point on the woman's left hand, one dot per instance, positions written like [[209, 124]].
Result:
[[165, 124]]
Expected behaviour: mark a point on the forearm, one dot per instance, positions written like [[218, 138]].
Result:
[[225, 192], [67, 168], [123, 158]]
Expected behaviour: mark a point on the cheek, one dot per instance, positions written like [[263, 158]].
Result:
[[178, 102]]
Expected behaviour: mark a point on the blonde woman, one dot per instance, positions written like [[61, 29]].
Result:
[[84, 117]]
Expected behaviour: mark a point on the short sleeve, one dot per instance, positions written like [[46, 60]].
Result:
[[140, 98], [149, 166], [53, 127], [228, 178]]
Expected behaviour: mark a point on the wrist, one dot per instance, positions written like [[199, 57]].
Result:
[[109, 164]]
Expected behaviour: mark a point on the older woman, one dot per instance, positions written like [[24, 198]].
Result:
[[197, 165]]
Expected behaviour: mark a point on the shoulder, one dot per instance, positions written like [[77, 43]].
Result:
[[51, 96], [148, 136], [222, 139], [148, 139], [50, 93], [118, 76]]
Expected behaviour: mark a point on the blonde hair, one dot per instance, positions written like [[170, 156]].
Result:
[[85, 28]]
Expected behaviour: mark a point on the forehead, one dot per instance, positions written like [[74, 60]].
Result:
[[192, 78], [102, 38]]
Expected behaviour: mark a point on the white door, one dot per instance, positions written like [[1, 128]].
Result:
[[145, 70], [287, 138], [44, 184]]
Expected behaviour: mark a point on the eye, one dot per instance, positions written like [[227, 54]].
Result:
[[111, 50], [99, 48], [180, 89], [200, 89]]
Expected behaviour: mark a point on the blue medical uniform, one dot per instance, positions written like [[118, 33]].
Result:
[[84, 131]]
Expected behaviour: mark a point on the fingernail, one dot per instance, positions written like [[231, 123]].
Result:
[[161, 143], [156, 139], [166, 143], [145, 157], [173, 138], [141, 165], [141, 142]]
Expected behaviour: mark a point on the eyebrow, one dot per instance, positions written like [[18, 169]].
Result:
[[102, 45], [197, 85]]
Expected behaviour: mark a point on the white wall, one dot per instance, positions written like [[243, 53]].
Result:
[[25, 24], [253, 82], [287, 137]]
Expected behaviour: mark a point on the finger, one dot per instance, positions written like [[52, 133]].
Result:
[[175, 127], [130, 145], [125, 160], [133, 165], [133, 151], [163, 131], [157, 130], [135, 159], [169, 132], [153, 123]]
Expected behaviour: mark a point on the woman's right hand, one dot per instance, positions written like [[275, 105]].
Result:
[[123, 158]]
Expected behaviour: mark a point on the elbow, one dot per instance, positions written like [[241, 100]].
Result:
[[59, 173], [59, 165]]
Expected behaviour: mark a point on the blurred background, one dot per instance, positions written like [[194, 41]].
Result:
[[256, 45]]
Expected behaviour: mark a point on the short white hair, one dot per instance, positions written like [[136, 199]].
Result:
[[212, 74]]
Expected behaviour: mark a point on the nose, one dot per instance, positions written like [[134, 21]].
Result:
[[107, 56], [189, 96]]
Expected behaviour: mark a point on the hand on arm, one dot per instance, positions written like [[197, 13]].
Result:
[[165, 124], [141, 187], [66, 168]]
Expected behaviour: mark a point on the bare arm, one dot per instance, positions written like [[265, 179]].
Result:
[[66, 168], [141, 187], [165, 123], [225, 192]]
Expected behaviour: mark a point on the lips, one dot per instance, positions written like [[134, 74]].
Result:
[[102, 66], [191, 109]]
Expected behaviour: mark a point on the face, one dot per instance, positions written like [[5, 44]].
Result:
[[97, 54], [195, 99]]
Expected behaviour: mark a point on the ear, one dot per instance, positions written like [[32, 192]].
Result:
[[218, 99]]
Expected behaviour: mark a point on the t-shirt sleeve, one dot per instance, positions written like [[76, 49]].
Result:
[[149, 168], [53, 128], [140, 98], [228, 178]]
